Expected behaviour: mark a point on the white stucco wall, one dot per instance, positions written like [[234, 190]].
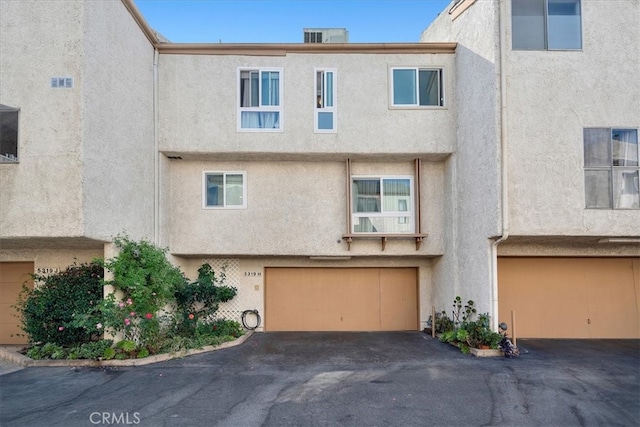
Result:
[[198, 106], [293, 209], [553, 96], [42, 195], [118, 152], [473, 172]]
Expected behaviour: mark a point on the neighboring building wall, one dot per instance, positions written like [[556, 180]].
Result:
[[118, 135], [553, 96], [41, 196], [473, 172]]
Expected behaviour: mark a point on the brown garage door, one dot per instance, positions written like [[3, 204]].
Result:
[[341, 299], [12, 276], [571, 297]]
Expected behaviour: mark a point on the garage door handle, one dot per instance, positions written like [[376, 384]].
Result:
[[588, 321]]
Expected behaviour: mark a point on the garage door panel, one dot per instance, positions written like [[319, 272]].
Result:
[[339, 299], [13, 275], [570, 297], [398, 299]]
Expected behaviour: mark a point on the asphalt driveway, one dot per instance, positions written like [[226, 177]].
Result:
[[352, 379]]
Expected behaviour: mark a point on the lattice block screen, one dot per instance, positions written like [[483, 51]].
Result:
[[246, 299]]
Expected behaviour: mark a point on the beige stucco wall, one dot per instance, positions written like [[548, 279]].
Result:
[[473, 172], [293, 208], [46, 260], [198, 106], [552, 96], [42, 195], [118, 129], [248, 274], [86, 153]]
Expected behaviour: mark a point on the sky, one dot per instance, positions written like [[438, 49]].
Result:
[[283, 21]]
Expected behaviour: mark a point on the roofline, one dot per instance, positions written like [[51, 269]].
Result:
[[282, 49], [279, 49]]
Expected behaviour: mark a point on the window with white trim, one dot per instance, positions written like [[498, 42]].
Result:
[[382, 204], [224, 190], [546, 25], [8, 134], [611, 171], [260, 99], [416, 87], [325, 118]]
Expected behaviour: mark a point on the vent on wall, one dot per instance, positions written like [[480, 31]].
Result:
[[62, 82]]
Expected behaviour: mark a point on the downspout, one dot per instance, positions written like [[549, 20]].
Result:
[[503, 167], [156, 171]]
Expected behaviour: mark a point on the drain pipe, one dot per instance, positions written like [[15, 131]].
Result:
[[503, 166], [156, 170]]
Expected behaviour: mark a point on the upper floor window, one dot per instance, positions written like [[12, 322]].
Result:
[[259, 99], [8, 134], [546, 24], [325, 91], [225, 190], [416, 87], [611, 168], [382, 204]]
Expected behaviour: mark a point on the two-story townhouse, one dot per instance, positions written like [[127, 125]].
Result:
[[316, 174], [556, 80]]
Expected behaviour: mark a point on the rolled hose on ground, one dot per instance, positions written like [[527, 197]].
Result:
[[244, 319]]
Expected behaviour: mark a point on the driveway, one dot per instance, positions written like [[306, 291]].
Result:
[[352, 379]]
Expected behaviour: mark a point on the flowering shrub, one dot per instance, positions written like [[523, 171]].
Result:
[[65, 308]]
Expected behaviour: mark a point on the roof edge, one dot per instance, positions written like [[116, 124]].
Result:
[[142, 23], [282, 49]]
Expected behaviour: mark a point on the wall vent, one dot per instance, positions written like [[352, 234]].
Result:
[[62, 82]]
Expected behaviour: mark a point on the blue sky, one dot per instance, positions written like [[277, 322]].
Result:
[[282, 21]]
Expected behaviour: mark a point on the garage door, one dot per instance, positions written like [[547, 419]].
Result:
[[341, 299], [571, 297], [12, 276]]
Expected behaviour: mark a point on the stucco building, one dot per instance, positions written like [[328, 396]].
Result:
[[343, 186]]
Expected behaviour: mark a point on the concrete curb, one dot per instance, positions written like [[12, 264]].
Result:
[[11, 354]]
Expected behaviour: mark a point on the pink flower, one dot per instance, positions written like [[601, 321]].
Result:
[[99, 326], [149, 316], [191, 316], [120, 304], [61, 328], [127, 321], [133, 313], [129, 302]]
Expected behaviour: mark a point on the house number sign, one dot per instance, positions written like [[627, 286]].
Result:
[[47, 270], [252, 273]]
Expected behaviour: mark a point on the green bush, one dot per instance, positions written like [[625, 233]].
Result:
[[65, 308]]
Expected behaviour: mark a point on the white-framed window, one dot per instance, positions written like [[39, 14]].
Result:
[[224, 190], [546, 24], [325, 115], [260, 99], [611, 170], [416, 87], [382, 204], [8, 134]]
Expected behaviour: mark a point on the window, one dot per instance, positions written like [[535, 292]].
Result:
[[611, 168], [8, 134], [325, 101], [416, 87], [225, 190], [546, 24], [260, 93], [382, 204]]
